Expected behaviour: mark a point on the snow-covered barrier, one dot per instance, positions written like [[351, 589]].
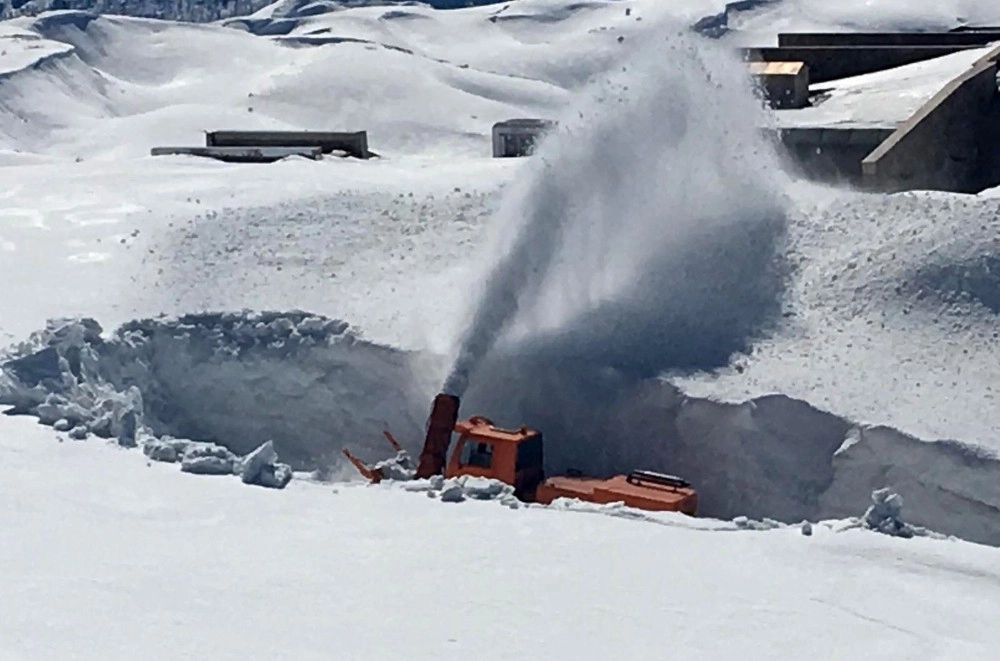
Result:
[[232, 382]]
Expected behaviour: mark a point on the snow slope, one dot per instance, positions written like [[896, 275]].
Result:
[[146, 561]]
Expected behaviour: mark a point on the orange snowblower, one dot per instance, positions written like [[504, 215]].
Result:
[[516, 457]]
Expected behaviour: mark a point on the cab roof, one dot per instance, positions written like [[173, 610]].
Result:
[[483, 428]]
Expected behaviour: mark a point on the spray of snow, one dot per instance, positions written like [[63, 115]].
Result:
[[651, 216]]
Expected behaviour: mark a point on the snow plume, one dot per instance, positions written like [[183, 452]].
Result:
[[643, 234]]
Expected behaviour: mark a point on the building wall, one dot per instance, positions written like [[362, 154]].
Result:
[[949, 144], [829, 155], [793, 39]]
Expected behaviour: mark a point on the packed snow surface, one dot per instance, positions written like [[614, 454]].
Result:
[[148, 562]]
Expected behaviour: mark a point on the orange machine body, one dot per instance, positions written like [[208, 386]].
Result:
[[516, 457]]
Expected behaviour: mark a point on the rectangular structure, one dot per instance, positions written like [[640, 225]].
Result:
[[965, 38], [518, 137], [950, 143], [834, 62], [241, 154], [354, 143], [784, 84], [830, 154]]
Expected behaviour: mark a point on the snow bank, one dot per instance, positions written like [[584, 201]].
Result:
[[883, 516], [891, 316], [240, 380], [232, 382]]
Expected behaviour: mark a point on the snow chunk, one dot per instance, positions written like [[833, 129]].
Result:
[[745, 523], [400, 467], [885, 514], [208, 459], [261, 467], [852, 438], [166, 449], [452, 494]]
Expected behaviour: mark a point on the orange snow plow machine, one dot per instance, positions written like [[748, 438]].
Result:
[[516, 457]]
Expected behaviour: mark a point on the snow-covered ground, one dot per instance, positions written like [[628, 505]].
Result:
[[107, 557], [881, 311]]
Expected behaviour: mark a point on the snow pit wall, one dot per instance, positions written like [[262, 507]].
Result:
[[312, 386], [240, 379]]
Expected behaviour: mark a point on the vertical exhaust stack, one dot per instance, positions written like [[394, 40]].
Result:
[[440, 424]]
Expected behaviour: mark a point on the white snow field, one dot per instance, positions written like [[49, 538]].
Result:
[[651, 290]]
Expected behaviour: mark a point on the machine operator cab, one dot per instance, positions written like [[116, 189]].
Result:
[[513, 456]]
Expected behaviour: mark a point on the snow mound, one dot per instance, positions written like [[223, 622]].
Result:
[[883, 516], [891, 316]]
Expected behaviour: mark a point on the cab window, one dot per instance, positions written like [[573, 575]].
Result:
[[475, 453]]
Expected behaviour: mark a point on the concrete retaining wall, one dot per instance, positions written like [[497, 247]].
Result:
[[833, 62], [830, 155], [796, 39], [241, 154], [354, 143], [949, 143]]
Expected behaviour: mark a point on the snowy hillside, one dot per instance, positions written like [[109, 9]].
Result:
[[652, 291], [201, 11]]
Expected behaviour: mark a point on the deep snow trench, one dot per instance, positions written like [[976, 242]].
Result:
[[312, 385]]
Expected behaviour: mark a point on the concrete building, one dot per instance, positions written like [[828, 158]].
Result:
[[354, 143], [926, 116], [518, 137]]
